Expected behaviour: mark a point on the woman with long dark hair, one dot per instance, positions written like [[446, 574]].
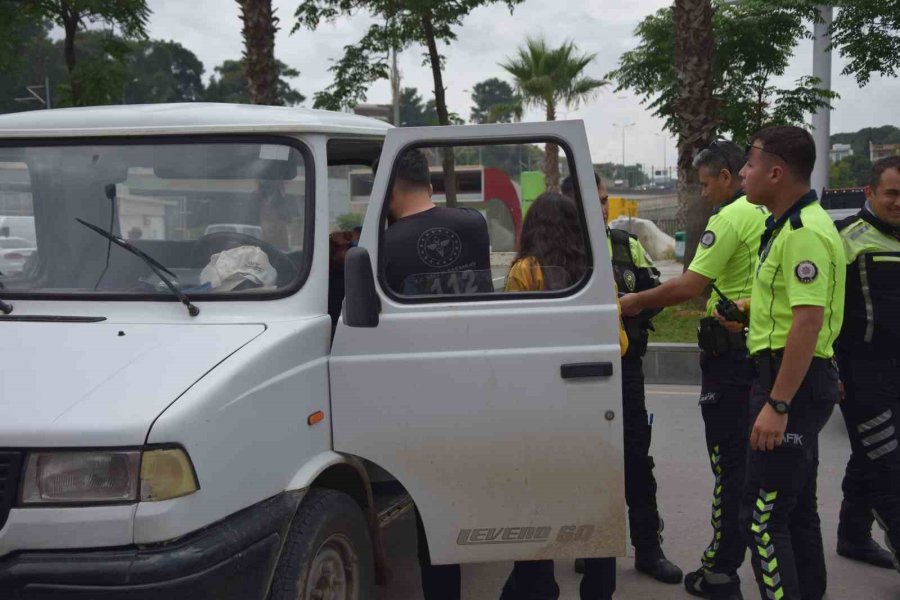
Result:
[[552, 256], [551, 251]]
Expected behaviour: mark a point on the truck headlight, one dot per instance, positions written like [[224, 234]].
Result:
[[106, 476]]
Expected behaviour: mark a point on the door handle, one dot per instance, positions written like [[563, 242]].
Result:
[[586, 370]]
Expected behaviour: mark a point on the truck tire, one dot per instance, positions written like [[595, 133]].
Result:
[[328, 552]]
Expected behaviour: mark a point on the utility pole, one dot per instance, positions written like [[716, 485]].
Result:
[[35, 96], [821, 119], [395, 87], [624, 169]]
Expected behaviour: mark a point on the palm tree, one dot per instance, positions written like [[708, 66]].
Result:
[[260, 25], [550, 78], [696, 109]]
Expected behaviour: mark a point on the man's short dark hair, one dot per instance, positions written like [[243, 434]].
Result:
[[412, 169], [721, 154], [880, 166], [568, 185], [794, 145]]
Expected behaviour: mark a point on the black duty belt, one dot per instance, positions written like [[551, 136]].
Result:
[[767, 363], [715, 339]]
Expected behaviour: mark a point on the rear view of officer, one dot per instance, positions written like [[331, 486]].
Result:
[[726, 256], [634, 272], [868, 353]]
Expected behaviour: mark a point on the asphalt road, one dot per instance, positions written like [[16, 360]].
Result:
[[685, 485]]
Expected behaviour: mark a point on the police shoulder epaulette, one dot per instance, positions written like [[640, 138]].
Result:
[[796, 221], [633, 236], [847, 222]]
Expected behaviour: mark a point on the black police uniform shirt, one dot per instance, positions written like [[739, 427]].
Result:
[[438, 251]]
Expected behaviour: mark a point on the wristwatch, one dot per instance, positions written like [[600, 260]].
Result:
[[782, 408]]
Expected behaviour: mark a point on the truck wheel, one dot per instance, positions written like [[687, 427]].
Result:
[[328, 552]]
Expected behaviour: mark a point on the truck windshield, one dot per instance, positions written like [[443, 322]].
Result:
[[225, 218]]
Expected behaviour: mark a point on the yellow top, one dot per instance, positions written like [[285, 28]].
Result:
[[525, 276]]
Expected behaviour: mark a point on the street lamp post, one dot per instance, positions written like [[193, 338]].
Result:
[[624, 168], [665, 138]]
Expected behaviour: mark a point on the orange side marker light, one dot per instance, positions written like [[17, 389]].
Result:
[[315, 418]]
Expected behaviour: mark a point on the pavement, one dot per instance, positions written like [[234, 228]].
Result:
[[685, 488]]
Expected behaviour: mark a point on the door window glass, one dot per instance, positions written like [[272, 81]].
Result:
[[483, 221]]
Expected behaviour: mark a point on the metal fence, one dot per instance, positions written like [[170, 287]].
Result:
[[669, 226]]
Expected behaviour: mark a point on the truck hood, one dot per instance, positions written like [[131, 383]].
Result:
[[101, 384]]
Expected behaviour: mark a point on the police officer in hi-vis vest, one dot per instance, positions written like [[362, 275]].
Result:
[[634, 272], [868, 352], [796, 310], [727, 257]]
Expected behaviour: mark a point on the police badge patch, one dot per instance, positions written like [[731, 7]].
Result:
[[707, 239], [806, 271], [630, 280]]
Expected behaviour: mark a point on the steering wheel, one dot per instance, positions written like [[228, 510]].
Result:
[[214, 243]]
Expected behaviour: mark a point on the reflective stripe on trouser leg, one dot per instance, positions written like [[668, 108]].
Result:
[[709, 556], [765, 548]]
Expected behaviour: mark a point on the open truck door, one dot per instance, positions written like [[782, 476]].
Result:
[[500, 413]]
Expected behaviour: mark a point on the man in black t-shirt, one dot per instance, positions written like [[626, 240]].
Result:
[[431, 249]]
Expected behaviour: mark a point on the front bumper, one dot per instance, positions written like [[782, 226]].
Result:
[[231, 559]]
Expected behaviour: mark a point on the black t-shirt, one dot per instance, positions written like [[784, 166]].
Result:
[[439, 251]]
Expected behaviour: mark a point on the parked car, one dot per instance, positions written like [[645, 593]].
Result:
[[13, 253]]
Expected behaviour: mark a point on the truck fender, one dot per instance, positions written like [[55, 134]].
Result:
[[347, 474]]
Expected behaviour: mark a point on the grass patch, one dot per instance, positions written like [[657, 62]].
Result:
[[677, 324]]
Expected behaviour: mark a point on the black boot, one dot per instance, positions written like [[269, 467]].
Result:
[[652, 561], [867, 551], [716, 586], [579, 566]]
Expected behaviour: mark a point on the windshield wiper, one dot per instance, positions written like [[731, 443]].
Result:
[[151, 262]]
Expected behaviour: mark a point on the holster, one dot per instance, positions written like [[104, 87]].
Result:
[[715, 339]]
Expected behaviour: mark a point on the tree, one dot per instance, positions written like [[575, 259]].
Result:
[[230, 85], [695, 106], [399, 25], [129, 16], [495, 101], [852, 171], [19, 21], [550, 77], [159, 71], [867, 34], [754, 41], [260, 25]]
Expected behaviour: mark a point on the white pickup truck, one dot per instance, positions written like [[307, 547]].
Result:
[[168, 433]]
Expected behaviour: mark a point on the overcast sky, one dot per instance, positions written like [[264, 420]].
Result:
[[212, 30]]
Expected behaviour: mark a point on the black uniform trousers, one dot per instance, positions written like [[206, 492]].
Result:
[[871, 409], [724, 402], [779, 509], [640, 485], [535, 581]]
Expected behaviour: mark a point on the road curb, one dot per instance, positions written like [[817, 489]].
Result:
[[677, 364]]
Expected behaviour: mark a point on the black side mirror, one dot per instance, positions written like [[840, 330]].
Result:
[[361, 302]]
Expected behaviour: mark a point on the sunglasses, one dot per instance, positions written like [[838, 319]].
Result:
[[718, 147], [761, 149]]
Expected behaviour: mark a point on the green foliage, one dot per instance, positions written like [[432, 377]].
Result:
[[128, 16], [347, 221], [415, 112], [19, 21], [399, 24], [495, 101], [548, 77], [230, 85], [100, 74], [867, 34], [852, 171], [160, 71], [755, 40]]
